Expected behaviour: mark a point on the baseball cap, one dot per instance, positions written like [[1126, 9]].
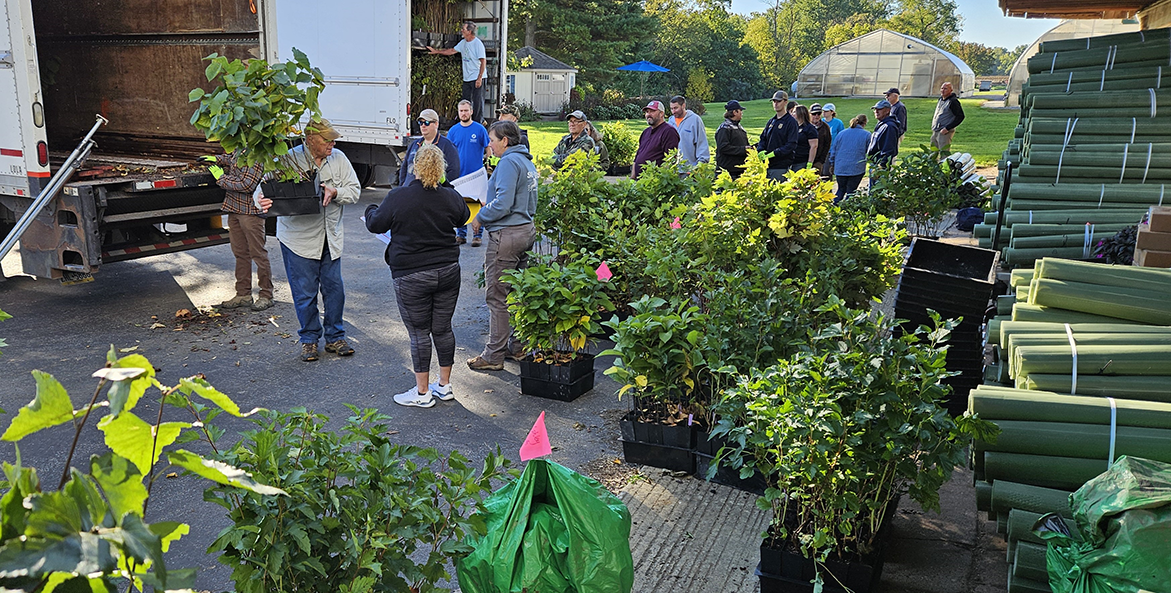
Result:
[[829, 107], [732, 105], [894, 90], [322, 128], [654, 105], [780, 96], [429, 115], [512, 110], [576, 115], [883, 104], [815, 108]]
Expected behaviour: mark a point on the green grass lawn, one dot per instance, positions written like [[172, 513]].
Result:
[[985, 132]]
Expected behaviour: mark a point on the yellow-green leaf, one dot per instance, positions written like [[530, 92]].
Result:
[[131, 437], [200, 387], [640, 381], [220, 473], [50, 407], [121, 483]]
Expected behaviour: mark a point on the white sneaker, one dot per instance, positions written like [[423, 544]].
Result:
[[442, 392], [412, 397]]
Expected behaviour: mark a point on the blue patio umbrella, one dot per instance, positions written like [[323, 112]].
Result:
[[646, 68]]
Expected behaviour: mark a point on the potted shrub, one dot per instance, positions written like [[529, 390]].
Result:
[[622, 146], [555, 310], [254, 112], [660, 363], [921, 188], [840, 431]]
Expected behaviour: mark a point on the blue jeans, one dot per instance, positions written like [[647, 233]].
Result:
[[462, 231], [307, 277]]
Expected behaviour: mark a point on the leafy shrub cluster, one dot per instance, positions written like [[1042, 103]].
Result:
[[921, 188], [620, 141]]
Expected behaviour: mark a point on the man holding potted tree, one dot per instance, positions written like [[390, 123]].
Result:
[[311, 244]]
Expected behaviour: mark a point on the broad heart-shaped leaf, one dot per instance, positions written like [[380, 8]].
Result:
[[81, 553], [78, 507], [220, 473], [121, 482], [50, 407], [131, 437], [200, 387], [126, 391]]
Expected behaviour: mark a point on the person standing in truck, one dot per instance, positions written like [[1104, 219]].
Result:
[[475, 62], [245, 230], [311, 244]]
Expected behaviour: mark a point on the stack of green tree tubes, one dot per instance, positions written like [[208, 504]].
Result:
[[1091, 146]]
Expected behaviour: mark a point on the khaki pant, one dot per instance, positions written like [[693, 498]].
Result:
[[942, 139], [246, 235], [507, 250]]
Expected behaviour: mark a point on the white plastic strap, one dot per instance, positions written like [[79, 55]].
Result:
[[1088, 239], [1102, 83], [1113, 428], [1070, 125], [1141, 37], [1030, 217], [1125, 155], [1154, 103], [1161, 188], [1102, 195], [1110, 57], [1133, 128], [1150, 147], [1053, 65], [1073, 351], [1068, 83]]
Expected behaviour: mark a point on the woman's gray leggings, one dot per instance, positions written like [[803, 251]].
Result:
[[426, 302]]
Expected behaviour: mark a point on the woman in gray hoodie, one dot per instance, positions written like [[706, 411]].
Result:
[[508, 216]]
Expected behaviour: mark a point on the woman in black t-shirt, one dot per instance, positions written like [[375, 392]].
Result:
[[806, 138]]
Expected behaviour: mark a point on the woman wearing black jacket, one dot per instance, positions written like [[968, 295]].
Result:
[[424, 263]]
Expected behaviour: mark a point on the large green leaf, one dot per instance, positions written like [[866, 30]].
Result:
[[142, 544], [220, 473], [79, 507], [200, 387], [81, 553], [121, 482], [126, 386], [132, 438], [50, 407]]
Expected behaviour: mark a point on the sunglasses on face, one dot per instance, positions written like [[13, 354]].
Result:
[[425, 122]]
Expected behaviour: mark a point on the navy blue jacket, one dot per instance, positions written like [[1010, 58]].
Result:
[[780, 138], [884, 144], [406, 172]]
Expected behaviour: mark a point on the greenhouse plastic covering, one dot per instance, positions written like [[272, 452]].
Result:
[[877, 61]]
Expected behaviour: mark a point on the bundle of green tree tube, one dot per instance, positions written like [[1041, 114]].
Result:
[[1090, 145]]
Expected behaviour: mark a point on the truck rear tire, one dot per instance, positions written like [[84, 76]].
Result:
[[365, 174]]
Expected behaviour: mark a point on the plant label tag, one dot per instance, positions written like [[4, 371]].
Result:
[[690, 419], [537, 443], [675, 224]]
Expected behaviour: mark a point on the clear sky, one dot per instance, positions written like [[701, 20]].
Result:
[[983, 22]]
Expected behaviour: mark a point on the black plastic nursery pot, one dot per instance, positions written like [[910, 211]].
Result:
[[658, 445], [292, 198], [706, 449], [563, 382]]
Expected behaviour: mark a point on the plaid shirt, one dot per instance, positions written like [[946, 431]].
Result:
[[238, 183]]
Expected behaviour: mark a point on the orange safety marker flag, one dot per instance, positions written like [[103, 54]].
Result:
[[537, 443]]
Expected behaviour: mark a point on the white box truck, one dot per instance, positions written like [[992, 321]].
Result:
[[134, 61]]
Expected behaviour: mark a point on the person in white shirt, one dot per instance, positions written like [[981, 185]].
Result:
[[475, 62]]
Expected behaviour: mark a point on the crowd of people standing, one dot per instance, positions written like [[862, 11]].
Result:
[[426, 218]]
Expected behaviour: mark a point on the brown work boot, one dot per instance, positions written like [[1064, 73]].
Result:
[[460, 240], [237, 302], [479, 364], [308, 351], [340, 348], [476, 242]]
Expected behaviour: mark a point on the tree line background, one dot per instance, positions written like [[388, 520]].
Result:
[[716, 55]]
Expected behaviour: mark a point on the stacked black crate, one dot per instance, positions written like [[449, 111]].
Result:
[[955, 281]]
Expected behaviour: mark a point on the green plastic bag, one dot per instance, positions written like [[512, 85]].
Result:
[[552, 531], [1124, 516]]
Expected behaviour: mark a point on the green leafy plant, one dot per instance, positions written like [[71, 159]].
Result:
[[4, 317], [920, 188], [660, 359], [90, 532], [363, 514], [436, 84], [620, 141], [844, 427], [555, 308], [256, 107]]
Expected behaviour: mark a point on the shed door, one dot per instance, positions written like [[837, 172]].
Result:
[[549, 92]]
